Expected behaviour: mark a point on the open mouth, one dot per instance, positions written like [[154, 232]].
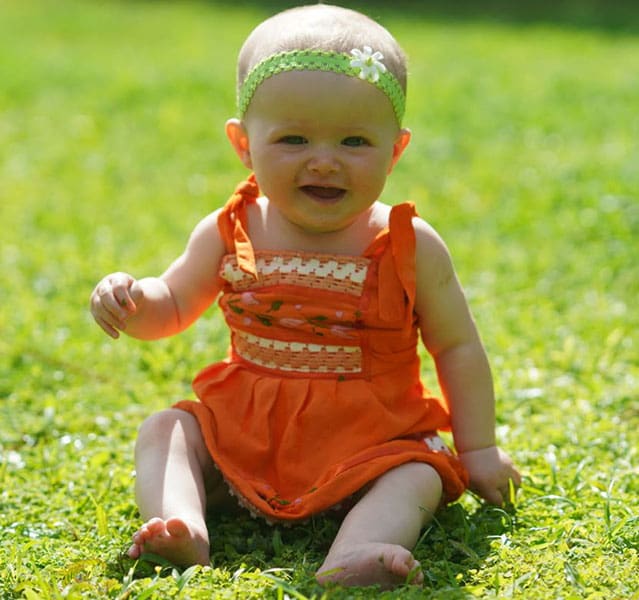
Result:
[[323, 193]]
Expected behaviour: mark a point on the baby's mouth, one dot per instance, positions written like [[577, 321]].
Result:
[[322, 193]]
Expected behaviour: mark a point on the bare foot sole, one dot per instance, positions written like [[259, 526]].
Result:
[[173, 539], [386, 565]]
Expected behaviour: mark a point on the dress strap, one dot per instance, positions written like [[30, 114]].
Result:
[[397, 265], [232, 224]]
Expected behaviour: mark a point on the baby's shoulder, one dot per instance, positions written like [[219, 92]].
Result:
[[425, 232], [377, 219], [432, 256], [208, 225], [206, 237]]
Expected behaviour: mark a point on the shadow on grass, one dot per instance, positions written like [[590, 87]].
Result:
[[458, 542], [613, 16]]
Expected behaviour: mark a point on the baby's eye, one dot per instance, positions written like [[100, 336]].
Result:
[[354, 141], [292, 139]]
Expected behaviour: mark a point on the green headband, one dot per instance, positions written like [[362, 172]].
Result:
[[364, 64]]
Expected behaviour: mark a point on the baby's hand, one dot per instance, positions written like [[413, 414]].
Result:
[[114, 300], [491, 470]]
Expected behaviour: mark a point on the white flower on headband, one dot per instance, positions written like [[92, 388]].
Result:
[[368, 62]]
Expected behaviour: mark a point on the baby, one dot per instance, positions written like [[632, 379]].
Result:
[[326, 290]]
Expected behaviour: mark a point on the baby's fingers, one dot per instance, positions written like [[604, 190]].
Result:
[[108, 329], [506, 492], [116, 288], [105, 304], [111, 303], [490, 493], [108, 315]]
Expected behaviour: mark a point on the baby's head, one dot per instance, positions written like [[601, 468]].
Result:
[[321, 97], [322, 37]]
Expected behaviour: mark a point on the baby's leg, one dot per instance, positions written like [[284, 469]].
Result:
[[173, 471], [372, 545]]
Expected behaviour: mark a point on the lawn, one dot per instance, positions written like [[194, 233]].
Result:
[[525, 157]]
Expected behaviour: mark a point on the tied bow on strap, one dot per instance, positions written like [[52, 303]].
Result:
[[397, 266], [234, 228]]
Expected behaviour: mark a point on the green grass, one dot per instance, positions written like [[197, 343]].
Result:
[[525, 157]]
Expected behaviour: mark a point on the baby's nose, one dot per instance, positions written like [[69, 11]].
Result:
[[323, 161]]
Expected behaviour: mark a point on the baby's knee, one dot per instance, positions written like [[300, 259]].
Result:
[[430, 480], [164, 423], [421, 478]]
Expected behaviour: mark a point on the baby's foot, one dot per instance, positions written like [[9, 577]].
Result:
[[387, 565], [174, 539]]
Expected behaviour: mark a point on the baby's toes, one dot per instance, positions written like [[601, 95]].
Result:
[[177, 528], [415, 574], [154, 527], [135, 551], [403, 564]]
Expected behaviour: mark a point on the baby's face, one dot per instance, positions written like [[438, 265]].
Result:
[[321, 145]]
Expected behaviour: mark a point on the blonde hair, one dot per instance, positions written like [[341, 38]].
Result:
[[320, 27]]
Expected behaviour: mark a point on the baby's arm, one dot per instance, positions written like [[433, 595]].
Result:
[[156, 307], [450, 336]]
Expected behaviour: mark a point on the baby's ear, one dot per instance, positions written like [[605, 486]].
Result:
[[402, 140], [236, 132]]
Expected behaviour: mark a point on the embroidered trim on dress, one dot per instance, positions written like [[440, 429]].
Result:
[[326, 272], [297, 357]]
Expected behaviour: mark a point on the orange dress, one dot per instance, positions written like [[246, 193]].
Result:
[[321, 391]]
